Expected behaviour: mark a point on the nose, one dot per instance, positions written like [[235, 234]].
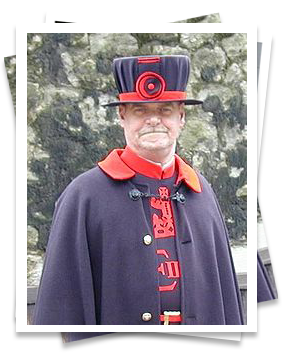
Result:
[[153, 119]]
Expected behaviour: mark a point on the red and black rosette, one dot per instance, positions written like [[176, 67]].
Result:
[[150, 85]]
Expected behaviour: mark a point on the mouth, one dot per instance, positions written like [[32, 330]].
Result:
[[152, 132]]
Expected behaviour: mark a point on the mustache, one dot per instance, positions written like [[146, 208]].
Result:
[[152, 130]]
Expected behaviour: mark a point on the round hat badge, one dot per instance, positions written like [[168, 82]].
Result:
[[150, 85]]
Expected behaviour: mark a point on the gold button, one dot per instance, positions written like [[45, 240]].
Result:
[[147, 240], [146, 316]]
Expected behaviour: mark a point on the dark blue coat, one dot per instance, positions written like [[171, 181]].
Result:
[[264, 286], [98, 270]]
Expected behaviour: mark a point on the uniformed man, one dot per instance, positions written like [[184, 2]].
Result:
[[140, 238]]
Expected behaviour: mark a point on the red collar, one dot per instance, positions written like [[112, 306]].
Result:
[[144, 167], [114, 166]]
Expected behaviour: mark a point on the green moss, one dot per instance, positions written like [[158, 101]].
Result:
[[193, 134], [221, 36]]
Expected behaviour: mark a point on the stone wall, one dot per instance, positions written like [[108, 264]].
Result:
[[10, 64], [69, 77]]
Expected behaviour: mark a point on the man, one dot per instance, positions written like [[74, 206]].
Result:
[[140, 238]]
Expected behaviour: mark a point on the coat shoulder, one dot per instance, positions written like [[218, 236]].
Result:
[[206, 186], [87, 183], [89, 178]]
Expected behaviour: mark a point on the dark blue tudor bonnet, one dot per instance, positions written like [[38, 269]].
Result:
[[154, 78]]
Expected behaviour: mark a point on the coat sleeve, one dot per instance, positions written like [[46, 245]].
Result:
[[66, 291], [264, 287], [231, 294]]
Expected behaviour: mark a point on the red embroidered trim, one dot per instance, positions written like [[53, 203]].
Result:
[[168, 288], [166, 96], [149, 59], [162, 252], [163, 225], [173, 269], [161, 269], [171, 318]]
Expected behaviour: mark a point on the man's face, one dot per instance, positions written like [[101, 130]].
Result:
[[152, 126]]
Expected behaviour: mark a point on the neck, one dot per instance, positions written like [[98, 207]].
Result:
[[162, 157]]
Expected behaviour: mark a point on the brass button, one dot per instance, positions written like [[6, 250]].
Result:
[[146, 317], [147, 240]]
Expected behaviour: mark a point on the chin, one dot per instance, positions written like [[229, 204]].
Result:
[[155, 146]]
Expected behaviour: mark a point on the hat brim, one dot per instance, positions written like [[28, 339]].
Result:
[[186, 102]]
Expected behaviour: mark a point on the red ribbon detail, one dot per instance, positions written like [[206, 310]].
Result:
[[166, 96]]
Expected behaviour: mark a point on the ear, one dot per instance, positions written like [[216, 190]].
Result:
[[121, 112], [182, 116]]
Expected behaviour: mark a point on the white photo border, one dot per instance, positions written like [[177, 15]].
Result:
[[266, 40], [21, 169]]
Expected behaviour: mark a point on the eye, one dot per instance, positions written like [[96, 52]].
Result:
[[139, 110], [166, 110]]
